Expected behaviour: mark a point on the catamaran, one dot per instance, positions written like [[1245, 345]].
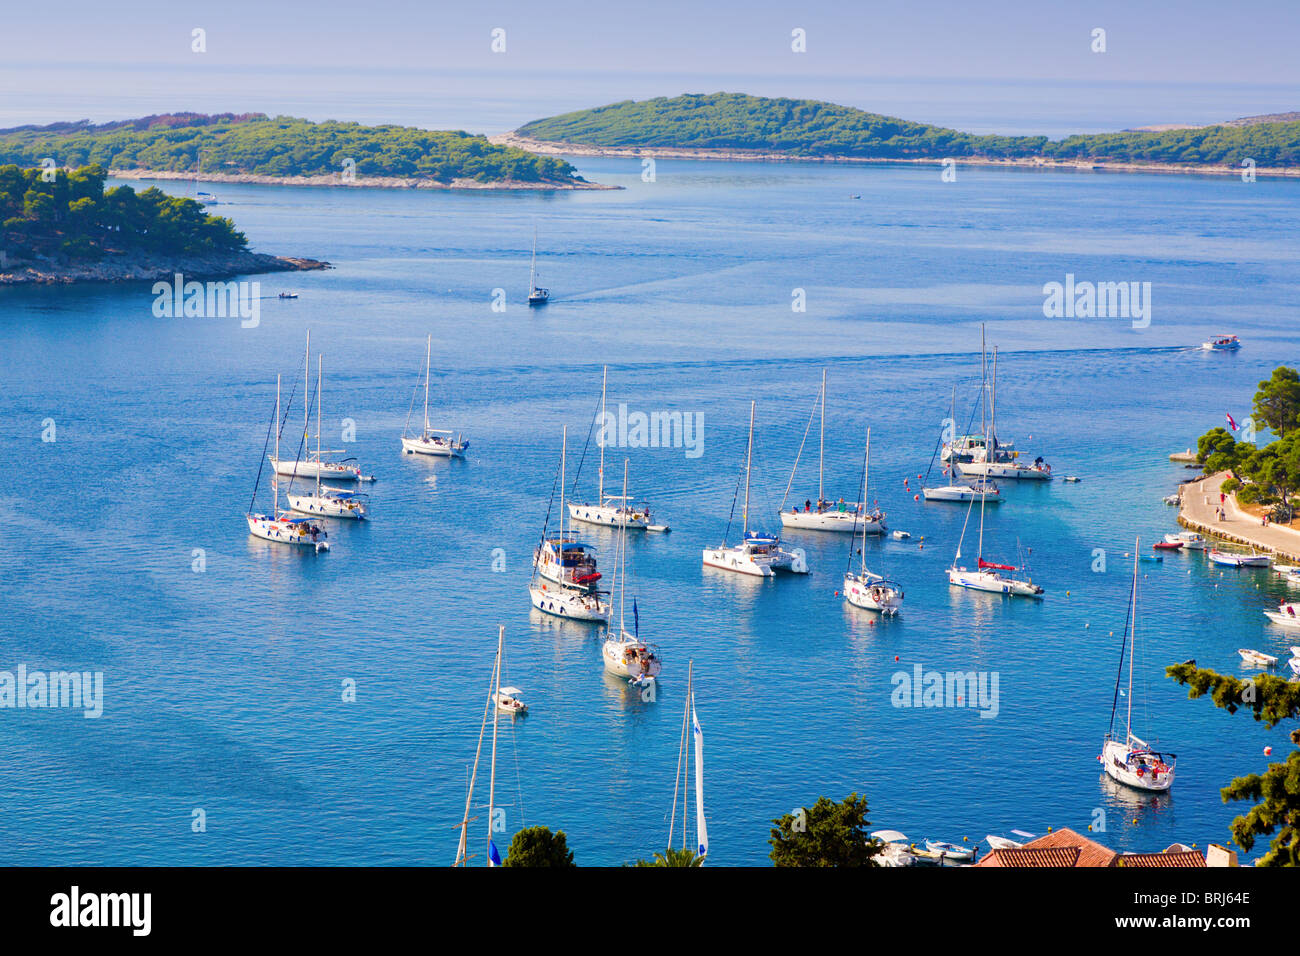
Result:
[[612, 510], [564, 570], [826, 515], [1130, 760], [315, 467], [536, 296], [757, 554], [431, 441], [626, 655], [866, 589], [682, 779], [280, 526], [327, 501], [988, 576]]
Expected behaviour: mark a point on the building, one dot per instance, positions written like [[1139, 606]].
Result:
[[1065, 848]]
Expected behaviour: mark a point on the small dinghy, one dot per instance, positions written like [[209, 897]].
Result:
[[1236, 560], [1005, 843], [950, 852], [1171, 499], [1257, 658], [509, 700], [1167, 545], [1153, 559], [901, 535], [1071, 479]]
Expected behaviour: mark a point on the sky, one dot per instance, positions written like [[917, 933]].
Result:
[[1013, 65]]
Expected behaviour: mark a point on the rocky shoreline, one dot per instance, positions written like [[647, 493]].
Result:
[[336, 179], [558, 148], [144, 267]]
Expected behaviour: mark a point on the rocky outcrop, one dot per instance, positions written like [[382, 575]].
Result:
[[142, 266]]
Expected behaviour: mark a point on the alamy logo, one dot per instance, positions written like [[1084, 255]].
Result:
[[21, 689], [653, 430], [1099, 300], [922, 688], [75, 908], [208, 300]]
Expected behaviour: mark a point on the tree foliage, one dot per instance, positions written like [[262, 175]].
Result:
[[1277, 402], [538, 846], [814, 128], [825, 834], [280, 146], [1277, 791], [671, 857], [74, 217]]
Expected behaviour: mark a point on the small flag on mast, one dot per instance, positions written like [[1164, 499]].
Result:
[[1231, 423]]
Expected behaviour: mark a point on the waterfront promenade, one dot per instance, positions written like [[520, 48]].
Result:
[[1198, 512]]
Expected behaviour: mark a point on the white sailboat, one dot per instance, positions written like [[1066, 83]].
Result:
[[1130, 760], [612, 510], [993, 459], [626, 655], [682, 779], [957, 488], [495, 691], [315, 466], [988, 575], [864, 588], [536, 296], [327, 501], [757, 554], [826, 515], [431, 441], [564, 570], [279, 526]]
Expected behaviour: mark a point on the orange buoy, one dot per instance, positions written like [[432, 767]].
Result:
[[916, 497], [1268, 751]]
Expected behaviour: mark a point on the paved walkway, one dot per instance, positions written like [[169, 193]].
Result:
[[1200, 503]]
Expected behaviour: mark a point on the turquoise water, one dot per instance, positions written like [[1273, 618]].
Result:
[[223, 687]]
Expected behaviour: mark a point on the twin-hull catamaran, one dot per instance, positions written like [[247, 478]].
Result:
[[1130, 760], [279, 526], [625, 654], [864, 588], [564, 570], [327, 501], [987, 575], [848, 517], [612, 510], [757, 554], [431, 441]]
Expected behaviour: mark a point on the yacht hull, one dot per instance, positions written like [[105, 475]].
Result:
[[844, 521]]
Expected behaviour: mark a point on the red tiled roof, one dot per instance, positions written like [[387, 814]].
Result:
[[1086, 852], [1048, 856], [1186, 859]]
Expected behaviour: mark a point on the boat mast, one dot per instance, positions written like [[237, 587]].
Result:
[[681, 750], [469, 795], [866, 465], [564, 448], [275, 472], [984, 390], [320, 373], [532, 270], [496, 713], [686, 788], [622, 546], [428, 359], [821, 453], [306, 389], [1133, 603], [983, 494], [749, 456], [600, 490], [993, 411]]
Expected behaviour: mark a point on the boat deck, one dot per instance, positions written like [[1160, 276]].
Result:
[[1197, 513]]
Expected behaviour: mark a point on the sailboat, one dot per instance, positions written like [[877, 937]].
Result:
[[611, 510], [757, 554], [989, 458], [536, 296], [443, 444], [865, 589], [279, 526], [313, 467], [957, 489], [682, 779], [626, 655], [987, 575], [327, 500], [1130, 760], [495, 691], [827, 516], [564, 570]]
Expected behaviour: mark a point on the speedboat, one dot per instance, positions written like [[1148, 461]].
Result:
[[509, 700], [1222, 343], [1286, 615], [1236, 560], [1257, 658], [1191, 541], [288, 295]]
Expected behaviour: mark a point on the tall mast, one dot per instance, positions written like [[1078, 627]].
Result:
[[320, 373], [469, 795], [686, 790], [496, 713], [428, 359], [1133, 640], [681, 751], [993, 408], [821, 454], [984, 389], [749, 455], [306, 390], [866, 464], [600, 491], [275, 472], [622, 540], [564, 449], [983, 494], [532, 270]]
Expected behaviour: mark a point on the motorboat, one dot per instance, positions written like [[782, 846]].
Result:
[[1286, 615], [288, 295], [1221, 343], [1190, 540], [1235, 559], [1129, 759], [1167, 545], [438, 443], [1256, 658], [896, 851], [509, 700]]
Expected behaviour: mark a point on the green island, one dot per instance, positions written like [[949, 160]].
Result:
[[726, 122], [249, 146], [61, 225]]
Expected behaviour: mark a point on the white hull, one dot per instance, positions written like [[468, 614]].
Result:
[[960, 493], [328, 507], [1229, 559], [284, 532], [630, 659], [1288, 615], [563, 602], [739, 560], [845, 521], [1190, 540], [317, 469], [610, 517], [1114, 759], [871, 593], [992, 582], [434, 446], [1003, 469]]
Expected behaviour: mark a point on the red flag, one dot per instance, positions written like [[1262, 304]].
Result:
[[1231, 424]]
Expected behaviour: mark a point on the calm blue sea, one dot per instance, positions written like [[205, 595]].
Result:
[[223, 687]]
